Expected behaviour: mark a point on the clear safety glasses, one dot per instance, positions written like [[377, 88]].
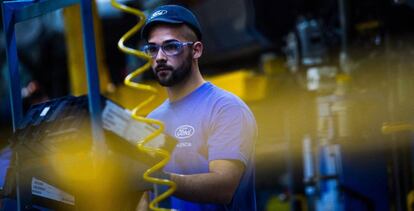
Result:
[[171, 48]]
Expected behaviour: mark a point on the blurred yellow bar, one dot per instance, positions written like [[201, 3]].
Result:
[[244, 83], [74, 42]]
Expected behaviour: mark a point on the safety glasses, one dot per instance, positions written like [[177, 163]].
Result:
[[170, 48]]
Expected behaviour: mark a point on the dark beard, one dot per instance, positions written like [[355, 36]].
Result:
[[178, 75]]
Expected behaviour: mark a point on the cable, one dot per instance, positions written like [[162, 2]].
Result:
[[128, 81]]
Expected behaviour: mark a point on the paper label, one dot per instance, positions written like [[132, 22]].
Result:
[[119, 121], [42, 189]]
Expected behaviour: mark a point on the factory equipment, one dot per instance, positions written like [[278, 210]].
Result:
[[344, 168], [52, 165], [306, 45], [17, 11], [61, 157], [343, 171]]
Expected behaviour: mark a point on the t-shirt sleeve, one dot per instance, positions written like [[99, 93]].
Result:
[[232, 134]]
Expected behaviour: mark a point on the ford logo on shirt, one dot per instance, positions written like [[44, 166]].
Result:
[[184, 131]]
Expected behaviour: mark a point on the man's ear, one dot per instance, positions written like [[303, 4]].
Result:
[[197, 49]]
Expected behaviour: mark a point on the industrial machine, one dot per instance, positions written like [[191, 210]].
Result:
[[335, 132], [52, 165], [74, 153]]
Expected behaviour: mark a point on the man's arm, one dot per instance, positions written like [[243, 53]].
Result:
[[217, 186]]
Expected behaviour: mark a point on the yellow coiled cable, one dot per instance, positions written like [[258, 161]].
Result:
[[128, 81]]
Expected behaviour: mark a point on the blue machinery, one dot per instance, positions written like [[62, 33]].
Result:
[[22, 10], [343, 172]]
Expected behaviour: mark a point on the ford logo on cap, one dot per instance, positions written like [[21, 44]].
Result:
[[171, 14], [158, 13]]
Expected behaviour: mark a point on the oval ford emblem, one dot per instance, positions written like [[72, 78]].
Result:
[[184, 131], [158, 13]]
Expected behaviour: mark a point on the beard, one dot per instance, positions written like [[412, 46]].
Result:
[[168, 76]]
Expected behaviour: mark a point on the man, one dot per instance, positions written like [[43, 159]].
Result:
[[212, 163]]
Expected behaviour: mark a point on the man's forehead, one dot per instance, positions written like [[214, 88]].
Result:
[[163, 32]]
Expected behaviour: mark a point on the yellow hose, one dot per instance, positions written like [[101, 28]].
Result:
[[128, 81]]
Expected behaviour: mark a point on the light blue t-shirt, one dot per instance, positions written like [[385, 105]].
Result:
[[211, 124]]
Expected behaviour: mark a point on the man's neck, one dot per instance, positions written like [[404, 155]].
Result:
[[181, 90]]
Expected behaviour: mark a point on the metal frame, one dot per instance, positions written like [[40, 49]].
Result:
[[20, 10], [15, 11]]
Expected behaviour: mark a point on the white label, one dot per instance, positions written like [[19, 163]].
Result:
[[44, 111], [115, 118], [119, 121], [42, 189]]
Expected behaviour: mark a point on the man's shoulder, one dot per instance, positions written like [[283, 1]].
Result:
[[227, 102], [220, 94], [159, 109], [224, 97]]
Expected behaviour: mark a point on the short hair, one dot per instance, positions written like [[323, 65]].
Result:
[[189, 33]]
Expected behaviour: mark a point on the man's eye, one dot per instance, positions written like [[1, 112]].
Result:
[[171, 47], [152, 49]]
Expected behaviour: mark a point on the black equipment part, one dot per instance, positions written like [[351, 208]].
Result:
[[58, 134]]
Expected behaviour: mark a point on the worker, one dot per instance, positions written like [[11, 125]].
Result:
[[212, 164]]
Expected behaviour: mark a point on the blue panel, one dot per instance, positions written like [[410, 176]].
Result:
[[365, 175], [12, 61], [8, 205], [5, 160]]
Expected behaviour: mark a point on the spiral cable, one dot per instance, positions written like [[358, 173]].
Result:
[[128, 81]]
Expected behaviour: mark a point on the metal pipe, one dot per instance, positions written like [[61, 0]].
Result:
[[94, 96]]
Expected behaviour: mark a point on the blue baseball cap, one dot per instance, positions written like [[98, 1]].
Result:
[[173, 14]]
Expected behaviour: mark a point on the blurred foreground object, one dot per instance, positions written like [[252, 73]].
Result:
[[52, 165]]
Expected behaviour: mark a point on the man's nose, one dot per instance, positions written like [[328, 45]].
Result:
[[160, 56]]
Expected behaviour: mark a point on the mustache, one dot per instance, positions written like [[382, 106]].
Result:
[[162, 67]]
